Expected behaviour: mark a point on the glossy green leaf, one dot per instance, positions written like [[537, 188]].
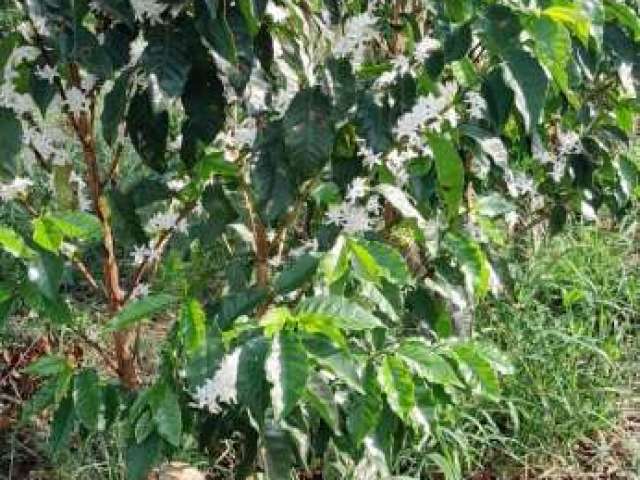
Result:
[[278, 453], [321, 398], [166, 413], [364, 414], [11, 141], [115, 106], [46, 234], [287, 369], [62, 425], [47, 366], [450, 172], [141, 457], [528, 81], [476, 369], [396, 382], [624, 15], [553, 50], [428, 363], [88, 398], [308, 132], [573, 17], [138, 310], [297, 274], [192, 325], [13, 243], [343, 313], [381, 260], [472, 260]]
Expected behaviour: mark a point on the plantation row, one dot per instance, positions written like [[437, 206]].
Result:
[[301, 208]]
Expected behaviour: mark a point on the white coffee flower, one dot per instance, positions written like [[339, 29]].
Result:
[[76, 100], [357, 189], [140, 253], [358, 31], [569, 143], [140, 291], [222, 388], [136, 48], [47, 73], [19, 187], [351, 218], [148, 9], [476, 103], [277, 13], [176, 184], [425, 47]]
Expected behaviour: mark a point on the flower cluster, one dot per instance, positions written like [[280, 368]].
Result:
[[358, 31], [353, 216], [222, 387], [19, 187]]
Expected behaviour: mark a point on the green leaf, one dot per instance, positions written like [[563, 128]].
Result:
[[11, 141], [166, 413], [296, 274], [381, 260], [192, 326], [573, 17], [145, 426], [333, 358], [476, 369], [115, 107], [524, 75], [364, 414], [472, 260], [138, 310], [88, 398], [44, 397], [500, 26], [78, 225], [204, 106], [202, 363], [335, 262], [47, 234], [45, 273], [343, 313], [553, 50], [624, 15], [395, 380], [214, 163], [287, 369], [142, 457], [320, 397], [450, 172], [167, 57], [148, 127], [251, 383], [48, 366], [14, 244], [308, 132], [427, 363], [271, 178], [278, 452], [62, 425]]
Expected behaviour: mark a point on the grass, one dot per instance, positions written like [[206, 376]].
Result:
[[571, 330]]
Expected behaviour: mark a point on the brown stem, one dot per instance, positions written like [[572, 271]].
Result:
[[261, 244], [123, 340]]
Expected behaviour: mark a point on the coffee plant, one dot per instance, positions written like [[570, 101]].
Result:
[[303, 199]]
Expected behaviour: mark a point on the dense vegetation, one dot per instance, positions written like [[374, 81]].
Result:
[[285, 229]]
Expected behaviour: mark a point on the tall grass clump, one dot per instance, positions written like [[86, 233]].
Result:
[[569, 330]]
